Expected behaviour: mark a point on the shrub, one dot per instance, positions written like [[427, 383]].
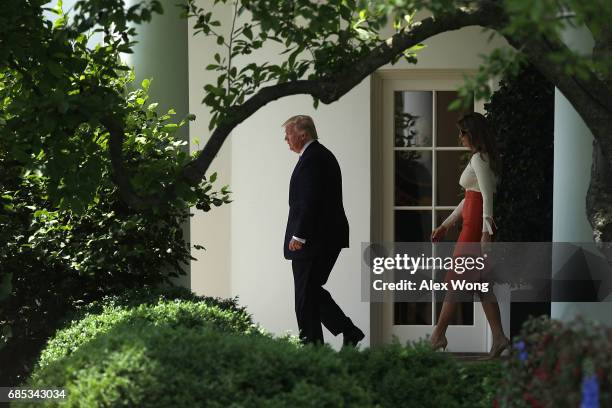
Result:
[[152, 295], [89, 244], [413, 375], [148, 365], [172, 307], [521, 112], [197, 353], [557, 364]]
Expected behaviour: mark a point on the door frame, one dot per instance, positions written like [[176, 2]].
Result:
[[377, 310]]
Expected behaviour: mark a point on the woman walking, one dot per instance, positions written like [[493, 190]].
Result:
[[476, 209]]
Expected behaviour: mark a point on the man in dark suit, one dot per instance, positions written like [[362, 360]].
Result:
[[317, 230]]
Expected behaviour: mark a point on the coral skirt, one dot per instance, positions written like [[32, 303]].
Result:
[[468, 243], [471, 231]]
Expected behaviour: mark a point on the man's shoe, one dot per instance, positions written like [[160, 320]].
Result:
[[352, 336]]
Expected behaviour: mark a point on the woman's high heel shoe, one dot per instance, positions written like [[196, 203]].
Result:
[[497, 349], [441, 343]]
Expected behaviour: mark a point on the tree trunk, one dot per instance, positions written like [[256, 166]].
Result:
[[599, 195]]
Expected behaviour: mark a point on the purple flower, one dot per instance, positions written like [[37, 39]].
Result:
[[590, 392], [521, 347]]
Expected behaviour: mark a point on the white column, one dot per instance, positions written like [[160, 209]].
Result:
[[572, 174], [161, 55]]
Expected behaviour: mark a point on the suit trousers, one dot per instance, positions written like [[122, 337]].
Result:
[[313, 304]]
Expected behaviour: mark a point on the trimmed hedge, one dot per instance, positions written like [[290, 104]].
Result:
[[175, 353], [153, 295], [146, 365], [415, 376], [173, 307]]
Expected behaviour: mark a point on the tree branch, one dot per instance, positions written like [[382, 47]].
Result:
[[332, 88], [329, 89], [121, 175]]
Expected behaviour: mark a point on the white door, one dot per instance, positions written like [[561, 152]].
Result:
[[421, 161]]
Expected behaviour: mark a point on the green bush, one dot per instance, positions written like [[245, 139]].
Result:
[[54, 254], [151, 296], [521, 112], [175, 353], [171, 307], [557, 364], [415, 376]]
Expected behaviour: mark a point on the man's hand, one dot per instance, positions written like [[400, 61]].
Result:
[[295, 245]]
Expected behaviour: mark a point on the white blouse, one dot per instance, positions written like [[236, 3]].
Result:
[[477, 176]]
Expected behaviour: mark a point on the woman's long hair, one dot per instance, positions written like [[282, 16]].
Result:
[[481, 137]]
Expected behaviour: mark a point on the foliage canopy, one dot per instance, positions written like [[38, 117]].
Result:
[[64, 104]]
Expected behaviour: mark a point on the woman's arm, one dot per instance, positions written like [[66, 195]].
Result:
[[454, 217], [486, 184], [438, 233]]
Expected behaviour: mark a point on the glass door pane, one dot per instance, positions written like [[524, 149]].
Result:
[[412, 225], [413, 118], [449, 166], [412, 313], [447, 134], [413, 178]]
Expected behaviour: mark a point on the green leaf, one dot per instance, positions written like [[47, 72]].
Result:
[[170, 127], [455, 105], [248, 33], [417, 47], [59, 23]]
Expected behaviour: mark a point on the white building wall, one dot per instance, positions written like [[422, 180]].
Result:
[[572, 175], [260, 165], [211, 272]]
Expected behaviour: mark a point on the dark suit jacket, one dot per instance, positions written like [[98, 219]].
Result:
[[316, 213]]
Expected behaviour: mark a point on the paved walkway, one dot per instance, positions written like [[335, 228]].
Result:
[[472, 357]]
